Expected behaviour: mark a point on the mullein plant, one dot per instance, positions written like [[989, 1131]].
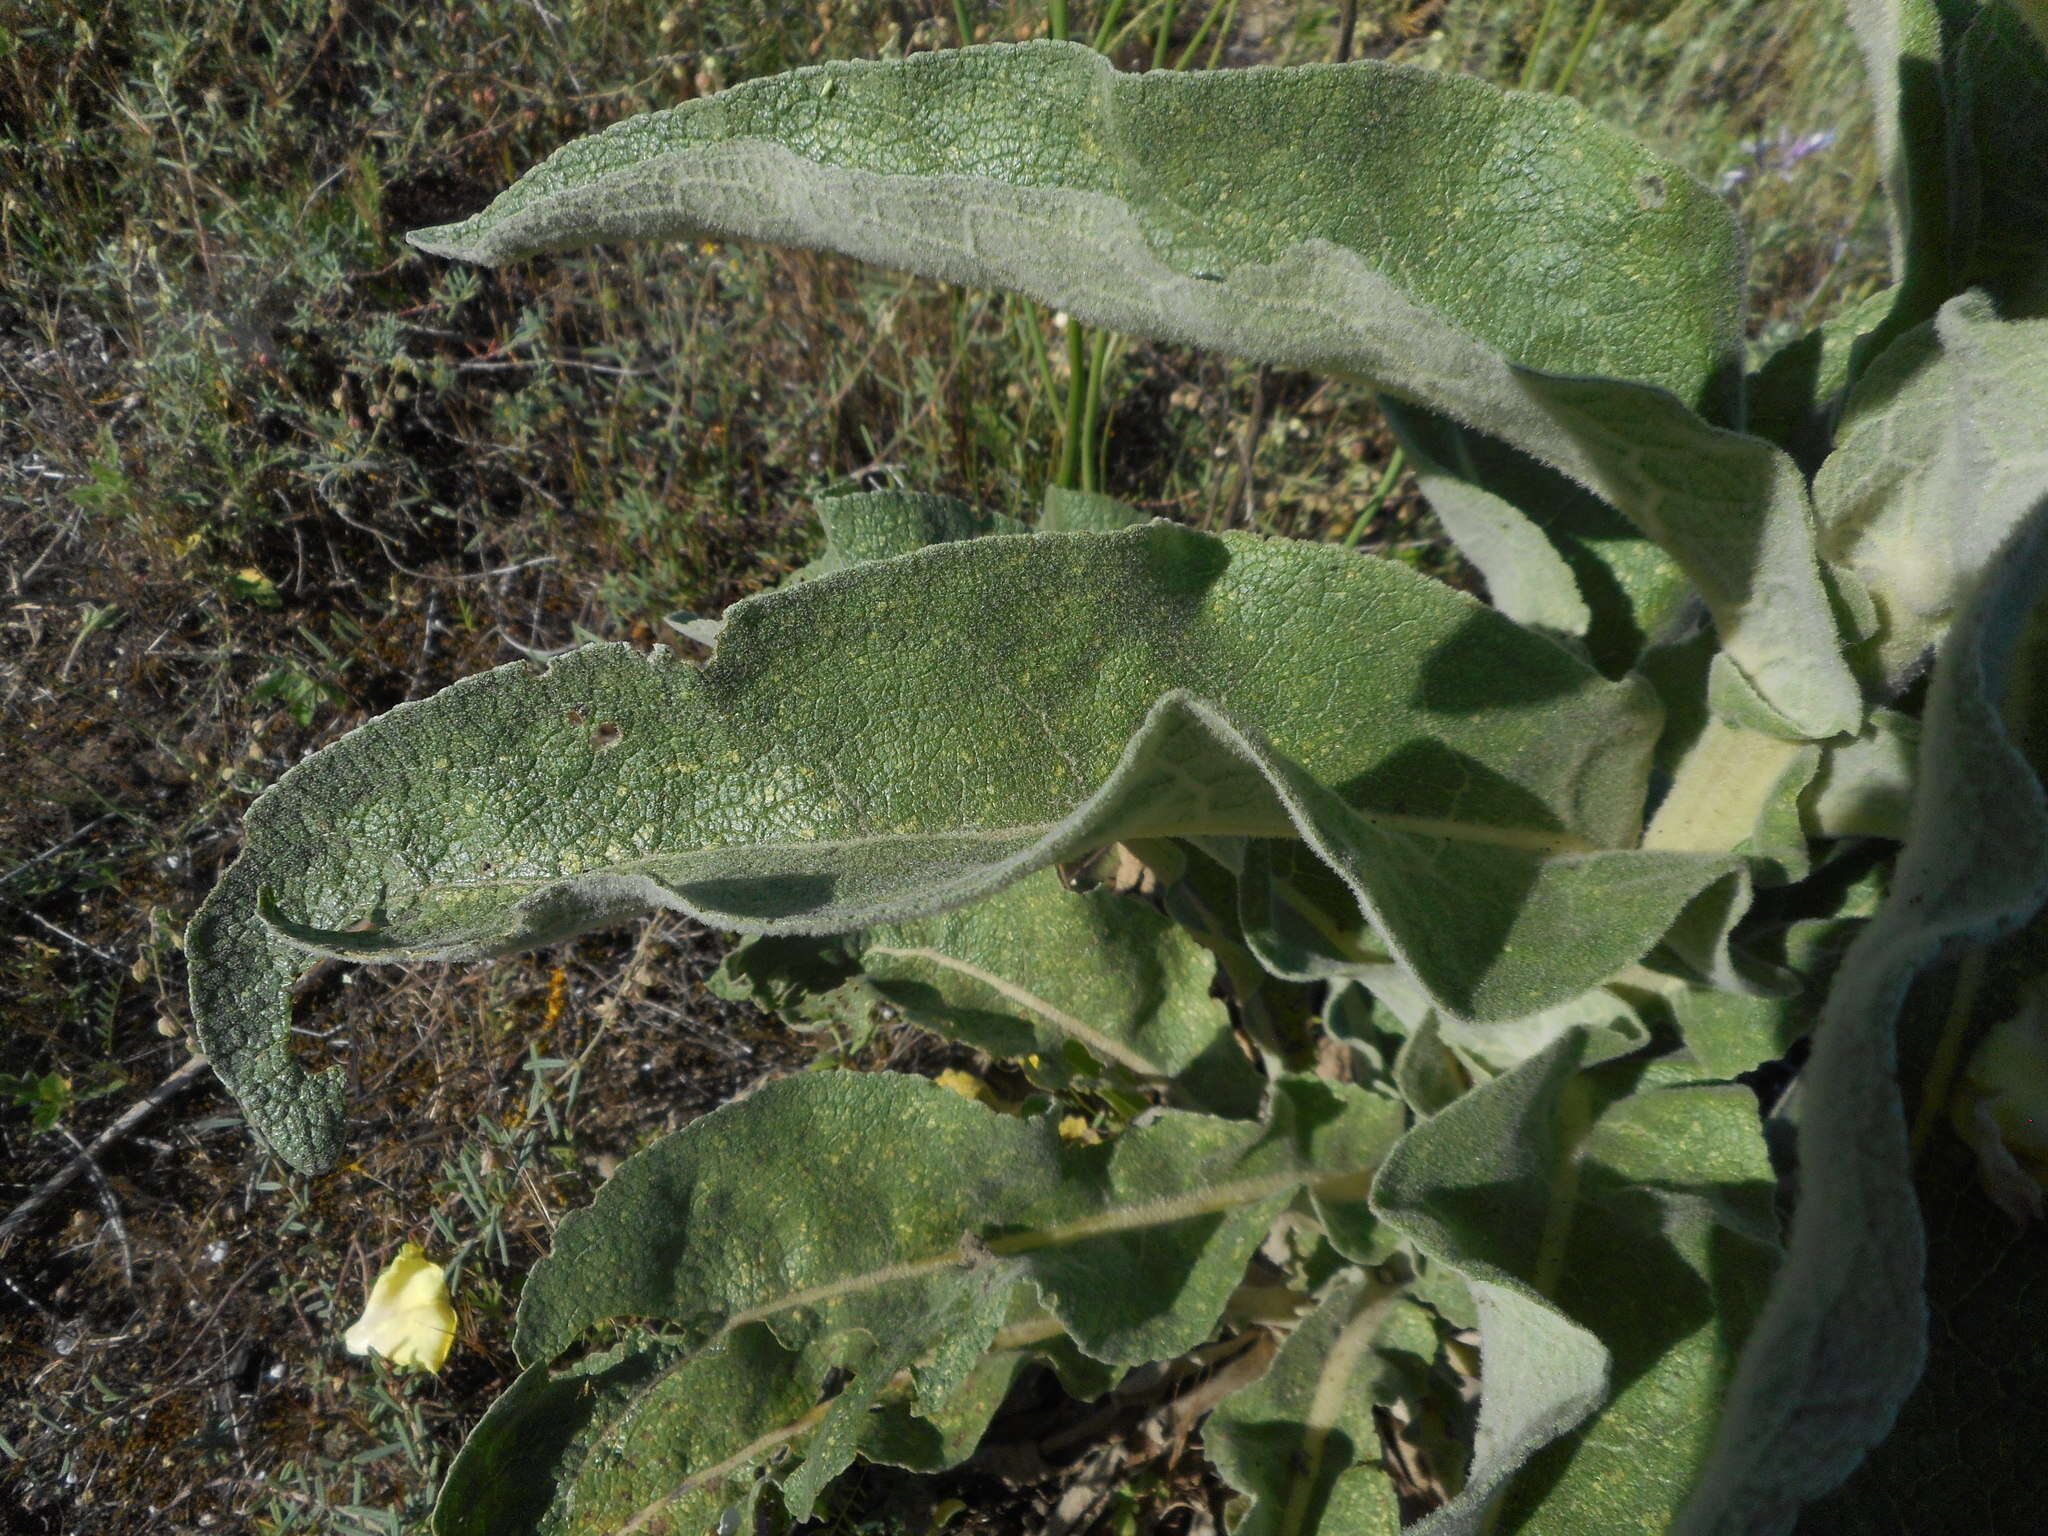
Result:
[[1407, 972]]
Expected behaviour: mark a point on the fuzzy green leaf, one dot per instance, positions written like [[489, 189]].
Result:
[[1622, 265], [1526, 578], [1676, 1177], [1529, 1185], [1729, 1033], [1903, 46], [1608, 1019], [910, 1190], [1301, 1440], [1735, 789], [1300, 915], [898, 1224], [1034, 967], [878, 525], [1472, 1187], [1965, 1456], [1071, 511], [1634, 592], [1582, 323], [1865, 785], [1844, 1336], [912, 734], [932, 1434], [1999, 94], [645, 1424], [1941, 454], [1796, 393]]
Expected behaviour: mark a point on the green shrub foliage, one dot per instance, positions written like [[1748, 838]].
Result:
[[1378, 963]]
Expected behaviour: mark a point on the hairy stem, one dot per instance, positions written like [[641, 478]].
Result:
[[1721, 789]]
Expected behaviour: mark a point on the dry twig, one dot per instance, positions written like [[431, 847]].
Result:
[[82, 1159]]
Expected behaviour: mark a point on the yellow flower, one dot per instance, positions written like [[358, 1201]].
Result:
[[409, 1320]]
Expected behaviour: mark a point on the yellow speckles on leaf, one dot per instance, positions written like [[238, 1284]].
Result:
[[408, 1319]]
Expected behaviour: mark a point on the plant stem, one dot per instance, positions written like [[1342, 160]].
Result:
[[1948, 1050], [1165, 35], [1102, 448], [1110, 13], [1058, 18], [1077, 400], [1029, 319], [1575, 1124], [1222, 34], [960, 23], [1527, 82], [1563, 82], [1347, 27], [1201, 32], [1721, 789], [1378, 499], [1091, 409], [1137, 22]]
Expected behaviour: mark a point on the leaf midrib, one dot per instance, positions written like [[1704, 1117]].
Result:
[[1161, 1211], [1326, 1405], [1157, 1212], [1528, 839], [1102, 1044]]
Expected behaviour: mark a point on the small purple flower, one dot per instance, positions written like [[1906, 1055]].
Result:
[[1790, 154], [1779, 155]]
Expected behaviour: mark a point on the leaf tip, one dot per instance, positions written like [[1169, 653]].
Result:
[[454, 241]]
